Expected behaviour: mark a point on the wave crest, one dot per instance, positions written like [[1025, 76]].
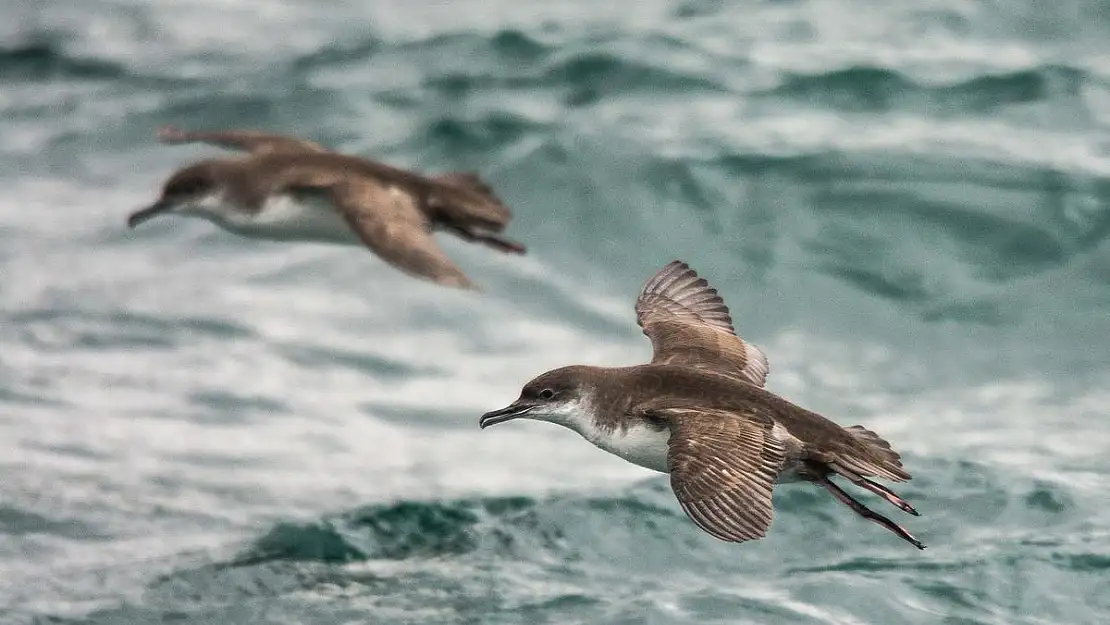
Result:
[[45, 60]]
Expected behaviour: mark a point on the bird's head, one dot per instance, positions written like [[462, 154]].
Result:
[[195, 190], [561, 396]]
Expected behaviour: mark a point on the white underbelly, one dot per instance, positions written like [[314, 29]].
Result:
[[283, 218], [640, 445], [647, 447]]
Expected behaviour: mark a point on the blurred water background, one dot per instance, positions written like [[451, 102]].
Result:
[[904, 203]]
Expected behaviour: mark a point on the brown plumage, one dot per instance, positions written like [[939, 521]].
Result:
[[699, 412], [253, 141], [689, 324], [389, 210]]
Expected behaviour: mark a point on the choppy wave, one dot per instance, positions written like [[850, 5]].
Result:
[[878, 89], [43, 60], [907, 206], [594, 552]]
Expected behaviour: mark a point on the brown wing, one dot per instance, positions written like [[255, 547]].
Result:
[[723, 466], [389, 222], [253, 141], [689, 324]]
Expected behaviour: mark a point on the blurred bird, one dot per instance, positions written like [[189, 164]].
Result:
[[288, 189]]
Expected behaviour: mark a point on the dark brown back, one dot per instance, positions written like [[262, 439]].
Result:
[[861, 453], [441, 200]]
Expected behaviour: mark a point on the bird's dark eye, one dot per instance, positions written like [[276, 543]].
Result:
[[547, 393]]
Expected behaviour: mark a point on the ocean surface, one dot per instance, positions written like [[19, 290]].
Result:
[[906, 204]]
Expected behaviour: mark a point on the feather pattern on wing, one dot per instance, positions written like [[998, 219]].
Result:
[[689, 324]]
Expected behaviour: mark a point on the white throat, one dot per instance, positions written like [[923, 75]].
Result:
[[639, 444], [282, 218]]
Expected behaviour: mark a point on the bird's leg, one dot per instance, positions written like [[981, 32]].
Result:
[[866, 512], [887, 494], [486, 238], [502, 244]]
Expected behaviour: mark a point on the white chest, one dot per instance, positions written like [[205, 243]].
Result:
[[284, 218], [640, 445]]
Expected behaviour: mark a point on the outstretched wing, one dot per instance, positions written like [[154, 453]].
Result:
[[723, 467], [390, 223], [689, 324], [253, 141]]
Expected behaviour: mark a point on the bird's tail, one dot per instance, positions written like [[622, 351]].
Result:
[[872, 457], [470, 202], [471, 209], [880, 459]]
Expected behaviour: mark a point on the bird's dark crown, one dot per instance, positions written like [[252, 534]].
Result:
[[557, 385], [191, 181]]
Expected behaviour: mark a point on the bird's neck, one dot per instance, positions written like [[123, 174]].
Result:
[[214, 206]]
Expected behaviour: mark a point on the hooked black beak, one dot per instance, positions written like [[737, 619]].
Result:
[[150, 212], [508, 413]]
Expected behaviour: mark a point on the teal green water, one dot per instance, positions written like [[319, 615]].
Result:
[[905, 205]]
